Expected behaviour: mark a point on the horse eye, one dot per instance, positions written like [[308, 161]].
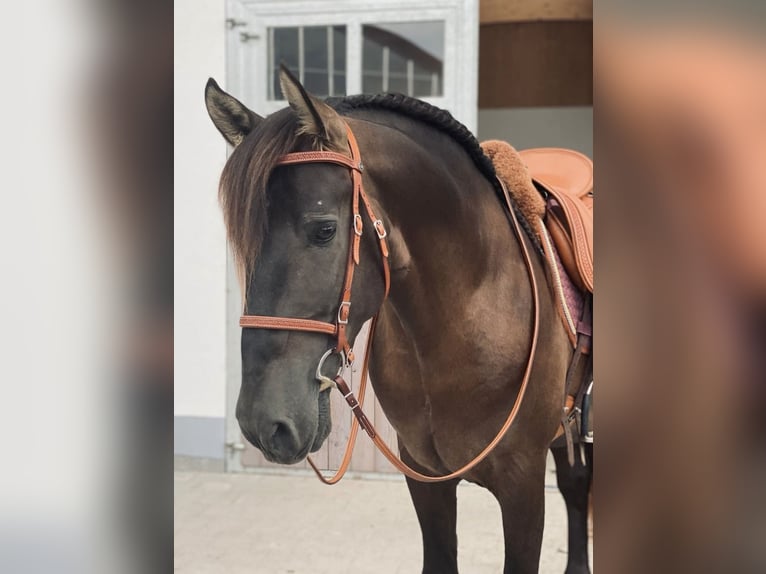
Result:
[[323, 232]]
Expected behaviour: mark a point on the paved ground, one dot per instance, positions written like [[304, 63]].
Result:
[[267, 524]]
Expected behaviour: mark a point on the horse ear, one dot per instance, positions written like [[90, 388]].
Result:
[[317, 119], [232, 118]]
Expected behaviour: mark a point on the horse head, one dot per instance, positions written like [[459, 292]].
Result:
[[290, 227]]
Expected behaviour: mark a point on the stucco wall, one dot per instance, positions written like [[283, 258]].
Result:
[[199, 239]]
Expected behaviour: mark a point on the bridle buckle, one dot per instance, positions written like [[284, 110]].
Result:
[[358, 224], [341, 319], [380, 229]]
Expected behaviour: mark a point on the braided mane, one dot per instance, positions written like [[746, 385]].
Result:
[[443, 121]]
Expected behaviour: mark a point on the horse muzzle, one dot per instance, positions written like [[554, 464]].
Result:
[[283, 438]]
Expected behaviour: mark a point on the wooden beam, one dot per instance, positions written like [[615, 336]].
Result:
[[536, 64], [497, 11]]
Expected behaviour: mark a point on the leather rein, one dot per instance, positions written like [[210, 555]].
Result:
[[338, 329]]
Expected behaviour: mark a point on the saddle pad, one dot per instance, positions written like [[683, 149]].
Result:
[[512, 172]]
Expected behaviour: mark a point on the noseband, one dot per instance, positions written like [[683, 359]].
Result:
[[339, 327]]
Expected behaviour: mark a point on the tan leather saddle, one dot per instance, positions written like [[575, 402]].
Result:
[[567, 176]]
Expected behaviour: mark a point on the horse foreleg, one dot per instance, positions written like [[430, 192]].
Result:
[[522, 503], [574, 483], [436, 507]]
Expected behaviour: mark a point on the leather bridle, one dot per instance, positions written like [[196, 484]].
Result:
[[338, 329]]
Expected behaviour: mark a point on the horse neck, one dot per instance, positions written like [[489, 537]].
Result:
[[453, 253]]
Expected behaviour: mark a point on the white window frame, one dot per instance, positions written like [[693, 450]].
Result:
[[461, 38]]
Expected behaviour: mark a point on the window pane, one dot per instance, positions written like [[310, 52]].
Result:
[[285, 50], [406, 57], [324, 58], [372, 65], [397, 72], [340, 85], [427, 83], [339, 60], [315, 60]]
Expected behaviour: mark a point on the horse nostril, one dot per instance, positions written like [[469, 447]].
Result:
[[283, 438]]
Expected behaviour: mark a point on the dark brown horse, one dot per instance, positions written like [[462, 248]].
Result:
[[453, 337]]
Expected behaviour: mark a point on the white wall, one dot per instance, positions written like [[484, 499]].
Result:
[[199, 239], [523, 128]]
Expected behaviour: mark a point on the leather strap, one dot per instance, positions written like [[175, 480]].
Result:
[[279, 323], [351, 442], [320, 157]]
